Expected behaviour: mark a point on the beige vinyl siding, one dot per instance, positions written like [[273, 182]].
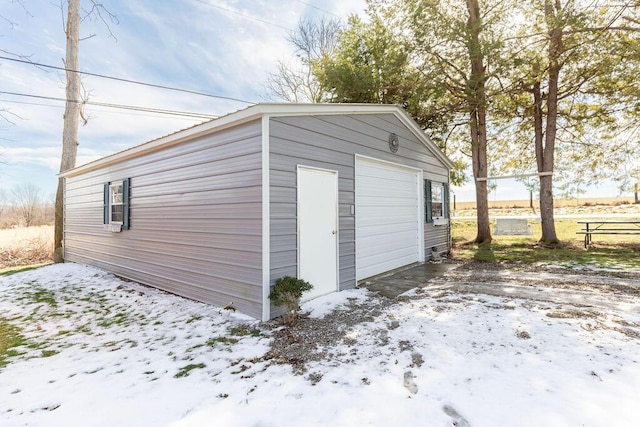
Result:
[[196, 219], [331, 142]]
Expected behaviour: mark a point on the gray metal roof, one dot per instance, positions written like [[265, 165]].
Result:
[[258, 111]]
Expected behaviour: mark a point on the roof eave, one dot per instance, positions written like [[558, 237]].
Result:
[[255, 112]]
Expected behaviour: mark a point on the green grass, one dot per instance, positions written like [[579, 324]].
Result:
[[185, 370], [221, 340], [615, 251], [9, 339], [13, 270], [118, 319], [194, 318], [244, 330], [45, 296], [39, 295]]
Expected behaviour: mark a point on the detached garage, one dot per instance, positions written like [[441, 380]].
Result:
[[331, 193]]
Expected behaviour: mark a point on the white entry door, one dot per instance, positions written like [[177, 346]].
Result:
[[318, 229]]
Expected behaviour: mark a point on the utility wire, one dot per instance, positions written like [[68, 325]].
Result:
[[23, 61], [244, 15], [120, 106], [61, 107], [319, 8]]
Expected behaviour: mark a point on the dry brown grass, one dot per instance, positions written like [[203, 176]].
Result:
[[26, 246], [594, 211], [558, 203]]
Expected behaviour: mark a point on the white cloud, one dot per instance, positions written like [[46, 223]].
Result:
[[186, 44], [49, 156]]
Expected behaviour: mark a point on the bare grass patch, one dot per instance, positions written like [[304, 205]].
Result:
[[10, 338]]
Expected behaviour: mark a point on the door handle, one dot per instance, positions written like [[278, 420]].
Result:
[[334, 232]]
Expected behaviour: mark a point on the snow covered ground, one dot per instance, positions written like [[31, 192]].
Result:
[[103, 352]]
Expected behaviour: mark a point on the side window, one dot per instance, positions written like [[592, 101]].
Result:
[[436, 198], [437, 202], [116, 205]]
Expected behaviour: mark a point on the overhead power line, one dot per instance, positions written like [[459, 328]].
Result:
[[119, 106], [244, 15], [61, 107], [319, 8], [86, 73]]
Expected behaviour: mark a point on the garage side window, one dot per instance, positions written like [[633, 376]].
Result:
[[116, 204], [436, 200]]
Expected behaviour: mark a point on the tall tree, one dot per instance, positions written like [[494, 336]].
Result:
[[71, 119], [73, 106], [458, 47], [371, 64], [567, 95], [367, 61], [545, 148], [477, 104]]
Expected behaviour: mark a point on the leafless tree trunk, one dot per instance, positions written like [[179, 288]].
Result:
[[476, 96], [71, 118]]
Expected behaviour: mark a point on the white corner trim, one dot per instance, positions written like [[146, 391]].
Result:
[[266, 220], [421, 215]]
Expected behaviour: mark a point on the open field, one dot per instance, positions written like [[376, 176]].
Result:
[[25, 246], [596, 211], [558, 203]]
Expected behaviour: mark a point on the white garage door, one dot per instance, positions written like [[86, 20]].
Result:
[[388, 226]]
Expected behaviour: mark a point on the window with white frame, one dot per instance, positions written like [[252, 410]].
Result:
[[436, 200], [116, 205], [437, 205]]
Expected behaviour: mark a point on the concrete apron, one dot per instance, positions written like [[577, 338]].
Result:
[[398, 281], [505, 284]]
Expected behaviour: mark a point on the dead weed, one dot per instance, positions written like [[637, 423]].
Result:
[[37, 250]]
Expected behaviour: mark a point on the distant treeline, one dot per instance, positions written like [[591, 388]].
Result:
[[24, 206]]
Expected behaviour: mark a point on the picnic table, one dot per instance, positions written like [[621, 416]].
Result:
[[609, 226]]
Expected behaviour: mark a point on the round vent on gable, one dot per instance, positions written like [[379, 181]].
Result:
[[394, 142]]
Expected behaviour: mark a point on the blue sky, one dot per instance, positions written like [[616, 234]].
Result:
[[221, 47], [225, 48]]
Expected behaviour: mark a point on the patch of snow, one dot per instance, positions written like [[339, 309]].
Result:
[[126, 354], [319, 307]]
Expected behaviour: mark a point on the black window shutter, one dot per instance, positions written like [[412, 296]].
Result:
[[445, 200], [105, 206], [126, 195], [427, 201]]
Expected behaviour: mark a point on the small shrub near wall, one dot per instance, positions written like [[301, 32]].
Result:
[[287, 292]]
